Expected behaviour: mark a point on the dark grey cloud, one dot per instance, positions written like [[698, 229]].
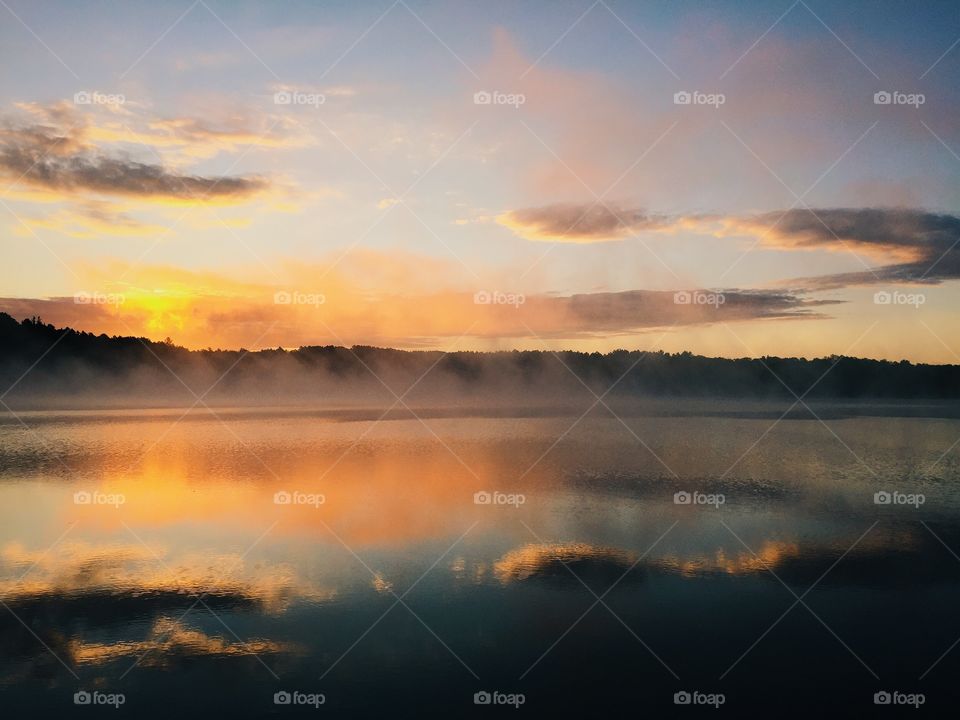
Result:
[[908, 245], [921, 246], [575, 222], [57, 159], [632, 310]]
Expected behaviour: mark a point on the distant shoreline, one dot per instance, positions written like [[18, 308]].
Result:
[[42, 366]]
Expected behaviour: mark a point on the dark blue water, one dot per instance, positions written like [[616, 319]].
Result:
[[200, 567]]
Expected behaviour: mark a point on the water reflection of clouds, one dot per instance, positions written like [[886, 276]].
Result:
[[768, 556], [172, 638], [79, 568], [547, 561]]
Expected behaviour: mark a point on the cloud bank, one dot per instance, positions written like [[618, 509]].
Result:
[[906, 245]]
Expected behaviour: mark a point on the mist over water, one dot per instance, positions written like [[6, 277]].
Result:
[[254, 552]]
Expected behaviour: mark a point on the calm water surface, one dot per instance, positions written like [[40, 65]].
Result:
[[200, 564]]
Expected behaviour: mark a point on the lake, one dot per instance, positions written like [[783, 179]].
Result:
[[273, 563]]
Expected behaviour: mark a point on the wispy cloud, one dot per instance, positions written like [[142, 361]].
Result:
[[911, 245], [57, 154], [571, 222], [904, 244]]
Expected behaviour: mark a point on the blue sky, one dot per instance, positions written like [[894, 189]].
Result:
[[187, 189]]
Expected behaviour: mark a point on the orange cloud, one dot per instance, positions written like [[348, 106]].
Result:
[[89, 220], [387, 299]]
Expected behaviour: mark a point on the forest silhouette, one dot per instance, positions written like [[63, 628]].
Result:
[[40, 359]]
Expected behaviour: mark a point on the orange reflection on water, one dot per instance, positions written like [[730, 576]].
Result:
[[387, 498], [535, 559], [171, 638], [78, 568], [771, 554]]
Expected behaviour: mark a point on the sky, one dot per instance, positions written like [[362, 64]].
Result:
[[729, 178]]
